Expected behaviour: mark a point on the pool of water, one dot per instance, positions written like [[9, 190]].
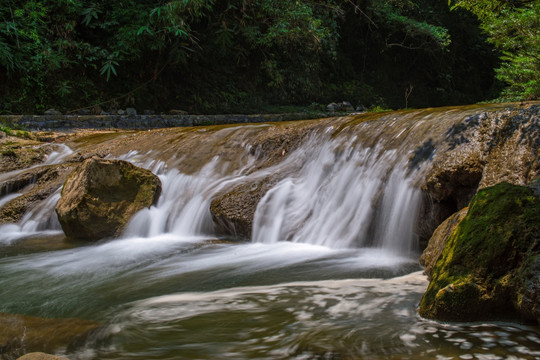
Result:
[[171, 297]]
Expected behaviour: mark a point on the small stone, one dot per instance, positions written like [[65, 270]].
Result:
[[360, 108], [121, 112], [52, 112], [131, 111], [346, 106], [177, 112], [332, 107]]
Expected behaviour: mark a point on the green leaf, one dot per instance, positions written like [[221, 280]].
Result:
[[144, 28]]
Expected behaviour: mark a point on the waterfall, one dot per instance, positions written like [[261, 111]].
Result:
[[344, 196], [41, 218], [334, 191]]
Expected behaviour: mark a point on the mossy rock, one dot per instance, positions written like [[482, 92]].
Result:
[[439, 239], [490, 266], [100, 197]]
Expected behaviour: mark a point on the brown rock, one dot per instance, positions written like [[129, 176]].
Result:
[[22, 334], [233, 211], [41, 356], [100, 197]]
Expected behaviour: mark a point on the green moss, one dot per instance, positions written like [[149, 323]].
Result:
[[491, 252]]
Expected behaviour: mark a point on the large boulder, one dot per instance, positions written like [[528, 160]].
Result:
[[486, 148], [100, 197], [24, 334], [490, 266]]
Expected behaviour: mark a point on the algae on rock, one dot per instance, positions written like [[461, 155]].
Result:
[[490, 266]]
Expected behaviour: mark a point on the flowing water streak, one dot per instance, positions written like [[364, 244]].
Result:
[[344, 196], [56, 156], [183, 208], [41, 218]]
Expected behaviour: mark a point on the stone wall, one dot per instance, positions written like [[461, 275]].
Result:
[[63, 122]]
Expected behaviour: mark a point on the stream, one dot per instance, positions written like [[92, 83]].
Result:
[[331, 270]]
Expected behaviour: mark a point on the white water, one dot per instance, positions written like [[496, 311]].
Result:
[[339, 196], [41, 218], [339, 199]]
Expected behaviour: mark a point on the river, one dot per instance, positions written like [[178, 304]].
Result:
[[331, 270]]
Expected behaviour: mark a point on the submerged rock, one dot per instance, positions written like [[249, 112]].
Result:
[[41, 356], [23, 334], [100, 197], [490, 266]]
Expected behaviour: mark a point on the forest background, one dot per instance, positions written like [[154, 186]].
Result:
[[242, 56]]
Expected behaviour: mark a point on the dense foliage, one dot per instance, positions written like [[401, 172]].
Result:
[[243, 55], [514, 28]]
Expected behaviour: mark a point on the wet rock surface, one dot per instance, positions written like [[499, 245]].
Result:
[[17, 153], [41, 356], [233, 211], [25, 334], [483, 150], [486, 148], [100, 197]]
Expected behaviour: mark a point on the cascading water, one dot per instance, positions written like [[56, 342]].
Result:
[[42, 217], [342, 197], [330, 271]]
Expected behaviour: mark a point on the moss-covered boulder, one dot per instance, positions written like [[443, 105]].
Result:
[[490, 266], [100, 197]]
